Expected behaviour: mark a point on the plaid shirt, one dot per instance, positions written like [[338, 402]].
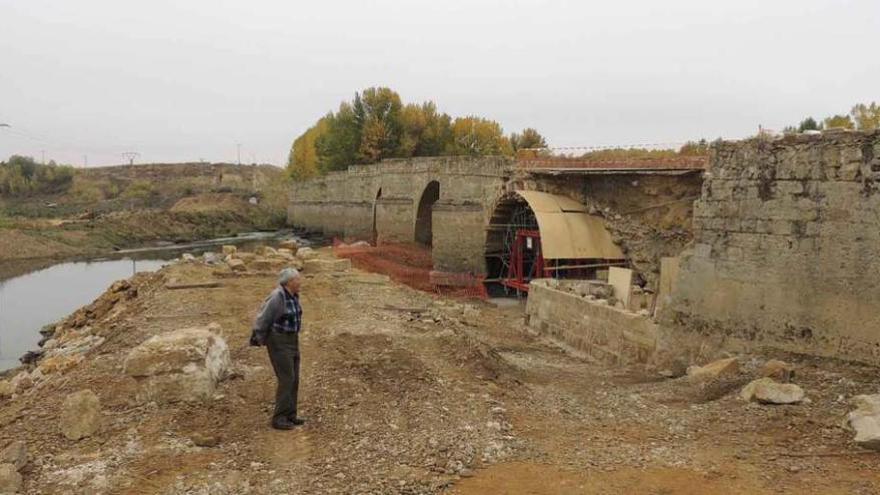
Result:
[[291, 321]]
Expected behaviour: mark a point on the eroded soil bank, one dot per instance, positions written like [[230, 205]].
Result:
[[405, 392]]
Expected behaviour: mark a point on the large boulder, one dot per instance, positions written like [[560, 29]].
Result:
[[778, 370], [714, 370], [318, 265], [6, 389], [229, 249], [865, 420], [236, 265], [289, 244], [184, 365], [15, 453], [10, 480], [768, 391], [80, 415], [264, 251], [306, 253]]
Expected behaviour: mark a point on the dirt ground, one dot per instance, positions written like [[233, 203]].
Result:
[[407, 392]]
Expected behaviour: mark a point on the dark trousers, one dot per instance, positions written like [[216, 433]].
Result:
[[284, 355]]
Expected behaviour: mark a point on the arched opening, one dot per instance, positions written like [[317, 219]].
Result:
[[375, 231], [512, 214], [533, 235], [424, 232]]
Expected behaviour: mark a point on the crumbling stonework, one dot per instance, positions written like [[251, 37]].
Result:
[[787, 238], [567, 311]]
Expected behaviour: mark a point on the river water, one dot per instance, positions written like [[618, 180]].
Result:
[[30, 301]]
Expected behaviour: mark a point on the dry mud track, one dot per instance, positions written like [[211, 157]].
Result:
[[408, 393]]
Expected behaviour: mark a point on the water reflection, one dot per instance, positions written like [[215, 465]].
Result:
[[29, 302]]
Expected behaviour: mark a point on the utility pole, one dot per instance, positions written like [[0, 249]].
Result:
[[238, 146], [130, 156], [85, 160], [44, 156]]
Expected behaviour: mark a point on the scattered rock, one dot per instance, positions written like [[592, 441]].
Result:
[[81, 415], [10, 480], [15, 454], [306, 253], [335, 265], [183, 365], [768, 391], [236, 265], [59, 363], [246, 257], [205, 439], [262, 264], [865, 420], [6, 389], [265, 251], [715, 369], [290, 245], [211, 258], [187, 258], [229, 249], [777, 370], [360, 244], [22, 382]]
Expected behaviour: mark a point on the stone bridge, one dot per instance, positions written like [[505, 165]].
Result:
[[448, 203]]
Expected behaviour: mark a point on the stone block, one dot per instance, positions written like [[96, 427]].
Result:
[[229, 249], [183, 365], [80, 415]]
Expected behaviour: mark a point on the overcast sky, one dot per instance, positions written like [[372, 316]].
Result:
[[180, 80]]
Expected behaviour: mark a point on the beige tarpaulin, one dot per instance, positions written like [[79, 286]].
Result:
[[567, 231]]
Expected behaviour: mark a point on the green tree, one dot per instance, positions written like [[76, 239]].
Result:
[[809, 124], [476, 136], [839, 122], [337, 147], [528, 139], [866, 117]]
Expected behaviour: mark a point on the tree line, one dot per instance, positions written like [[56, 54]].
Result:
[[864, 117], [376, 124], [22, 176]]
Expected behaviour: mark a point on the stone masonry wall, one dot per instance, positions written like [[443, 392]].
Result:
[[609, 334], [787, 248]]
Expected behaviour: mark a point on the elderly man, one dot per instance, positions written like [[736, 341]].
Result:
[[277, 327]]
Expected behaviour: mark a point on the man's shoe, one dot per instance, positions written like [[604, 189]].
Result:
[[297, 421], [283, 424]]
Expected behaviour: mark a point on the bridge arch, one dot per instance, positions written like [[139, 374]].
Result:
[[424, 233]]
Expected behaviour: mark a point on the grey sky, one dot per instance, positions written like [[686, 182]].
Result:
[[182, 80]]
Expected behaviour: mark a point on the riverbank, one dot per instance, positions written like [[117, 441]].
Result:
[[405, 392]]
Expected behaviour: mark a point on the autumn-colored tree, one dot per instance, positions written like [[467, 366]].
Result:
[[376, 125], [302, 163], [378, 110], [866, 117], [476, 136], [839, 122], [425, 131]]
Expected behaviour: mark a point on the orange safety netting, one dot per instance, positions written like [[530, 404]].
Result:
[[411, 265]]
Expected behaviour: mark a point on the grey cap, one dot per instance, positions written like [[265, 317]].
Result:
[[287, 274]]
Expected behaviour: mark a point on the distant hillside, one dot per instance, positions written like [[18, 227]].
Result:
[[107, 208], [101, 190]]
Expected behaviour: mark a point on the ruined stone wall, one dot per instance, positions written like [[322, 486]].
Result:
[[610, 334], [787, 248]]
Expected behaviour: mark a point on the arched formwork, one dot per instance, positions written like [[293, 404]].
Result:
[[533, 234]]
